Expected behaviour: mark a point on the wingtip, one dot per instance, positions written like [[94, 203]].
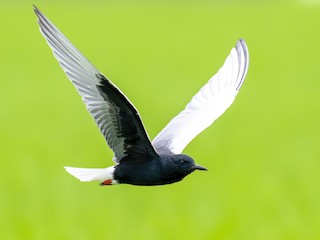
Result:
[[241, 40], [242, 50], [242, 44], [35, 9]]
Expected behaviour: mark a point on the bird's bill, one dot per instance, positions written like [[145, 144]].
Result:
[[198, 167]]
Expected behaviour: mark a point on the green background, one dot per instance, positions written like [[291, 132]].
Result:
[[262, 154]]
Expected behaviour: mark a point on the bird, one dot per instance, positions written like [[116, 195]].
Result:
[[138, 160]]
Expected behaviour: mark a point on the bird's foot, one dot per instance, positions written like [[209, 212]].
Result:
[[106, 182]]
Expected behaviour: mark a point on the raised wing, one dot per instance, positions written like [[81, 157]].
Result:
[[207, 105], [116, 117]]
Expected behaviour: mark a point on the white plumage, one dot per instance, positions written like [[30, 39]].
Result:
[[207, 105], [91, 174]]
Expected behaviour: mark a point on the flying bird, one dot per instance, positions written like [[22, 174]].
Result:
[[138, 161]]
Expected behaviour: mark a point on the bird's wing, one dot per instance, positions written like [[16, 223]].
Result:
[[117, 119], [207, 105]]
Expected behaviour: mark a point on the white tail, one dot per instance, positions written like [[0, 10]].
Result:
[[91, 174]]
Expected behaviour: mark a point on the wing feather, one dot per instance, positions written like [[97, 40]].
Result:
[[116, 117], [207, 105]]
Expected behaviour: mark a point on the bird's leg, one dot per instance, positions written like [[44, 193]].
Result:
[[106, 182]]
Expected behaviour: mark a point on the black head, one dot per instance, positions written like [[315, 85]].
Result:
[[186, 164]]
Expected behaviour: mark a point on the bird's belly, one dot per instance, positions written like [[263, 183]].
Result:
[[143, 175]]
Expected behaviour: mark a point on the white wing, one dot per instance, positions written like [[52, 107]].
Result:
[[207, 105], [117, 119]]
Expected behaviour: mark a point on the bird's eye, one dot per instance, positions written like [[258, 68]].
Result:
[[183, 161]]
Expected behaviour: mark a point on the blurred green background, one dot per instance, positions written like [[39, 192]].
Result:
[[262, 154]]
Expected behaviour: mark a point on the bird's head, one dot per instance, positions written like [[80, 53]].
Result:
[[186, 164]]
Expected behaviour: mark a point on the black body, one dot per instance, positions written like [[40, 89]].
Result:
[[157, 171]]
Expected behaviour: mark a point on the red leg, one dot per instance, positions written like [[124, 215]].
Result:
[[106, 182]]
